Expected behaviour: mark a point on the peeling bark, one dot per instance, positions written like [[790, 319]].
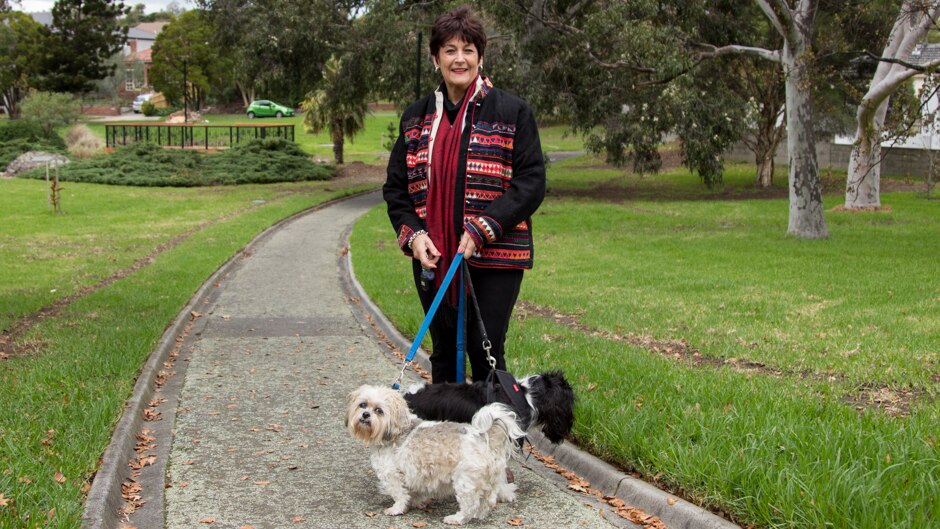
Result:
[[807, 220]]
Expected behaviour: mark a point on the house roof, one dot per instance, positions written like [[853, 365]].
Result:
[[151, 27], [138, 34], [144, 56], [925, 53]]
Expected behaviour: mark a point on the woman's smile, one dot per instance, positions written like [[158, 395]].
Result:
[[458, 61]]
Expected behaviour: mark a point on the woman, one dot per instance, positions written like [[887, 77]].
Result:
[[466, 174]]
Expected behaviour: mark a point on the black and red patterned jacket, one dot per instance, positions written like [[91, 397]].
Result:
[[500, 175]]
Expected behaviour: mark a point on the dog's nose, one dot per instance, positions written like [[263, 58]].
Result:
[[365, 416]]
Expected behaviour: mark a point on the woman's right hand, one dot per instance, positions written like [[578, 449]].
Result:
[[425, 251]]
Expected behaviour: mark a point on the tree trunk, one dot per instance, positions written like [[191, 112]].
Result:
[[11, 99], [863, 185], [764, 148], [337, 132], [806, 208], [765, 169]]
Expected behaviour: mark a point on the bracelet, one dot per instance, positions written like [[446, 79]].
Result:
[[414, 236]]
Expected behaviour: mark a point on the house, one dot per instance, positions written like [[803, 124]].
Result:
[[137, 59]]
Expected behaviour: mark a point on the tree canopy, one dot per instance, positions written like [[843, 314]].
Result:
[[188, 39], [83, 36]]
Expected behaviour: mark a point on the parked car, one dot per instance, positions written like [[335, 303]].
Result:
[[263, 108], [139, 101]]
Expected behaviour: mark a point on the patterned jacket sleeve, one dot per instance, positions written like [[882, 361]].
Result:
[[395, 191], [526, 189]]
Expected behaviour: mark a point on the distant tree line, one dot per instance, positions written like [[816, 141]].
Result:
[[625, 74]]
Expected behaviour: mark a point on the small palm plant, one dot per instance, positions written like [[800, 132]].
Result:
[[337, 104]]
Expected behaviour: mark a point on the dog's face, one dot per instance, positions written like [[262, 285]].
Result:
[[553, 400], [376, 414]]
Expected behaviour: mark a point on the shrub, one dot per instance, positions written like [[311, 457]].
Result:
[[148, 109], [50, 110], [144, 164], [19, 136], [82, 142], [30, 131]]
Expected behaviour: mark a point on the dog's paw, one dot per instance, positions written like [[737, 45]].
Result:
[[396, 510], [454, 519], [507, 493]]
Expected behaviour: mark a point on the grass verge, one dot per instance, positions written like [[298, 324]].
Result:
[[63, 398], [819, 406]]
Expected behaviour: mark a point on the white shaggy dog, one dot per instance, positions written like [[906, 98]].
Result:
[[417, 461]]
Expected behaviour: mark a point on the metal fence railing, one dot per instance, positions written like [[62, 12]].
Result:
[[193, 135]]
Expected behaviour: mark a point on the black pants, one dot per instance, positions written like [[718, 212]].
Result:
[[496, 292]]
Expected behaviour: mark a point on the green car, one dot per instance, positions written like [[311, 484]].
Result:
[[263, 108]]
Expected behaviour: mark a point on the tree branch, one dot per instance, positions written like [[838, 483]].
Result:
[[929, 67], [772, 17], [714, 51]]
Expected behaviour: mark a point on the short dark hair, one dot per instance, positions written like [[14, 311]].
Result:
[[461, 23]]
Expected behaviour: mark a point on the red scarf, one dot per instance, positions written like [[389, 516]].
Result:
[[440, 204]]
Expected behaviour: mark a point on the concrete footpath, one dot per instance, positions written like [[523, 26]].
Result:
[[237, 421]]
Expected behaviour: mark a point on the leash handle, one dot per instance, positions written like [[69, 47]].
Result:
[[423, 330]]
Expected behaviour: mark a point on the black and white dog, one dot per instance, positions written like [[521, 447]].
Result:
[[548, 395]]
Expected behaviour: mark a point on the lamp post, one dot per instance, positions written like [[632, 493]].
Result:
[[185, 95]]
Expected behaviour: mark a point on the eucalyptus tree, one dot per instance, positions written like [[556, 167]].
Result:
[[279, 47], [895, 68]]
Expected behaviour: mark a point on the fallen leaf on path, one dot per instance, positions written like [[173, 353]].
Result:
[[419, 524], [671, 501], [262, 483], [298, 519], [207, 520], [515, 522]]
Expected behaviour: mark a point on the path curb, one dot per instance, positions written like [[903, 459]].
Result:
[[676, 513], [105, 496]]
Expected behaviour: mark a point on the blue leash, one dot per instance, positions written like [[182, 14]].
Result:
[[423, 330]]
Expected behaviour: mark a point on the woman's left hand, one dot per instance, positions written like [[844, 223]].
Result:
[[467, 246]]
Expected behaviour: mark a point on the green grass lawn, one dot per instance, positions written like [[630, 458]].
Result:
[[64, 391], [814, 399]]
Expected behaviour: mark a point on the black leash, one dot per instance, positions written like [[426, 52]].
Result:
[[506, 383]]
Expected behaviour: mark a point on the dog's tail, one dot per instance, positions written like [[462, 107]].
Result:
[[499, 423]]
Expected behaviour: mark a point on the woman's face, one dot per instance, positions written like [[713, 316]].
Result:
[[458, 61]]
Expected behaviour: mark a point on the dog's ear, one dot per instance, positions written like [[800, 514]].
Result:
[[398, 416], [555, 406]]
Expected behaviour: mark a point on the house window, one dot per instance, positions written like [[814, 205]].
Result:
[[130, 82]]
